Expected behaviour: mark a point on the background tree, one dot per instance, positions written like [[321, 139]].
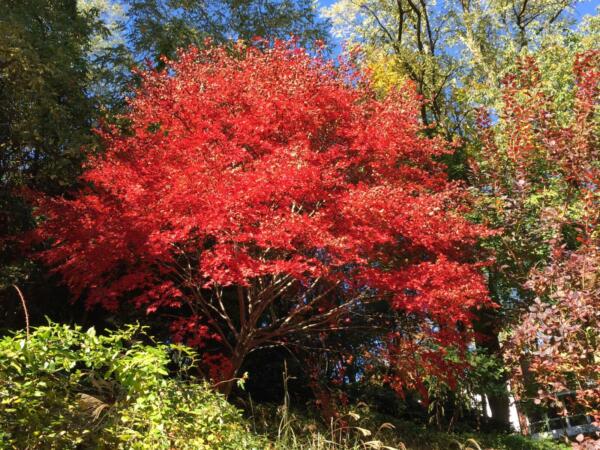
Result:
[[515, 197], [160, 27], [401, 40], [456, 52], [45, 118], [556, 344]]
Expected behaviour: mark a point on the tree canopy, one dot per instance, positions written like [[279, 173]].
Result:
[[283, 194]]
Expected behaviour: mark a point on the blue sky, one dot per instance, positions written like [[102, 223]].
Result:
[[588, 7]]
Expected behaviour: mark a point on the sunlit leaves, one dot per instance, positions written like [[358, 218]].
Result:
[[280, 175]]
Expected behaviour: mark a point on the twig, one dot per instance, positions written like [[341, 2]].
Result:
[[244, 377], [24, 304]]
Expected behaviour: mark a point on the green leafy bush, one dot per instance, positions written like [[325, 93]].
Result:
[[64, 388]]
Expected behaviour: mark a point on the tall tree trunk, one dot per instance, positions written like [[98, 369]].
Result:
[[500, 407], [498, 399]]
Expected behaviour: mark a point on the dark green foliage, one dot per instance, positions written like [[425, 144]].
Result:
[[45, 115], [65, 388], [45, 112], [159, 27]]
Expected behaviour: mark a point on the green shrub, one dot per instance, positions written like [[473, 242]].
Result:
[[65, 388]]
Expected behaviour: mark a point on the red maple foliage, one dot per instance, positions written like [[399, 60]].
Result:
[[262, 194]]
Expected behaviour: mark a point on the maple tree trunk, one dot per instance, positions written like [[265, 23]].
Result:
[[237, 359], [230, 378]]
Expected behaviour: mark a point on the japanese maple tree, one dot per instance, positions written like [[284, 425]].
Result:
[[263, 194]]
